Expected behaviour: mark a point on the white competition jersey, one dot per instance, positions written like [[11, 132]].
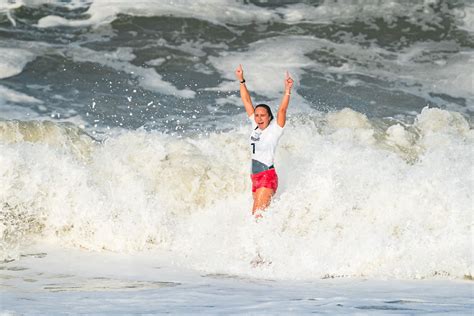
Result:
[[263, 142]]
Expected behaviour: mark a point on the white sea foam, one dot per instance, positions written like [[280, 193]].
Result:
[[467, 17], [349, 208], [411, 70], [214, 11], [119, 59], [13, 61], [453, 76], [5, 6], [265, 64], [418, 12], [70, 4], [100, 12], [8, 95], [355, 198], [266, 60]]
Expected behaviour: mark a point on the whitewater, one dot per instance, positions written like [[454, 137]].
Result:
[[356, 199]]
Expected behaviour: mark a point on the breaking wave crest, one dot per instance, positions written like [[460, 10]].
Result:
[[358, 197]]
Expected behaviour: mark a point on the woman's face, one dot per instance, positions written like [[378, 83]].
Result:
[[261, 117]]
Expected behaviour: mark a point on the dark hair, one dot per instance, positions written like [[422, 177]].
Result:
[[266, 107]]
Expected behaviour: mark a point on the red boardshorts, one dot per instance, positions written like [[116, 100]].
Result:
[[264, 179]]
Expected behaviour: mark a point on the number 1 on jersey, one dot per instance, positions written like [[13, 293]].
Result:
[[253, 148]]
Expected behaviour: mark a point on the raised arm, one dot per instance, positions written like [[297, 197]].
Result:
[[281, 115], [244, 93]]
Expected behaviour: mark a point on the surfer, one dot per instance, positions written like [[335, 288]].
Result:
[[263, 141]]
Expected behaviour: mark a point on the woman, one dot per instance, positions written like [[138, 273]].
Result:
[[263, 140]]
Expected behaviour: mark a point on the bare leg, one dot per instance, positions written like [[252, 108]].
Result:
[[261, 199]]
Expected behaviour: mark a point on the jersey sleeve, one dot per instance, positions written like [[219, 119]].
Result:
[[277, 130]]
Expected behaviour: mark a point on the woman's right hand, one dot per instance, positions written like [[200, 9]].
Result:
[[239, 73], [288, 82]]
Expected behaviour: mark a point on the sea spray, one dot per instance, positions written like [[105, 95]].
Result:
[[351, 202]]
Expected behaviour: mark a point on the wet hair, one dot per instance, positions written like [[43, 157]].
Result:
[[266, 107]]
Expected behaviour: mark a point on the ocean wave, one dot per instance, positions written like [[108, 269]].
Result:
[[427, 15], [421, 69], [148, 64], [357, 197]]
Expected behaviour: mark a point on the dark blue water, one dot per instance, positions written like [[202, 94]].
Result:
[[168, 66]]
